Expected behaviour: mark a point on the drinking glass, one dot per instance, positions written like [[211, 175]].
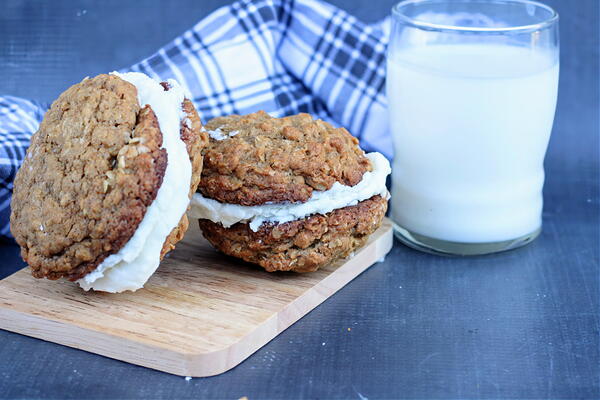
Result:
[[472, 87]]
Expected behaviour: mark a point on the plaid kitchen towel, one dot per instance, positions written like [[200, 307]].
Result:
[[281, 56]]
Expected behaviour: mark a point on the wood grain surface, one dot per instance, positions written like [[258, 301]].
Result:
[[201, 314]]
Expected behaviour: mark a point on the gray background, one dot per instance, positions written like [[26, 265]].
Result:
[[518, 324]]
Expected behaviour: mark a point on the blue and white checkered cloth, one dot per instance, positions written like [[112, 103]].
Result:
[[280, 56]]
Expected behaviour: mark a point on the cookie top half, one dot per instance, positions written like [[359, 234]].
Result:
[[93, 168], [256, 159]]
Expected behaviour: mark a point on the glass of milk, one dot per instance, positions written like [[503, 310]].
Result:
[[472, 88]]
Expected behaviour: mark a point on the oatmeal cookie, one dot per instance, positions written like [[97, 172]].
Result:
[[257, 159], [302, 245], [93, 168]]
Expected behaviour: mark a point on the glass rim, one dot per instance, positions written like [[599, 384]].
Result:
[[397, 13]]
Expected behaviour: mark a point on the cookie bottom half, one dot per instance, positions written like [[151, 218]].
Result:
[[302, 245]]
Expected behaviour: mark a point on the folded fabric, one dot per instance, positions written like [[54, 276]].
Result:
[[281, 56]]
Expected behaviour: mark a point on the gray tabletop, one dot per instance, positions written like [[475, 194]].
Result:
[[522, 324]]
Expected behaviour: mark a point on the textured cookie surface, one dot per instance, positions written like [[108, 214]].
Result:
[[303, 245], [265, 159], [91, 171], [195, 139]]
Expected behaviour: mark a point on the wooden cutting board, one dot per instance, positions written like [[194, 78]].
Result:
[[201, 314]]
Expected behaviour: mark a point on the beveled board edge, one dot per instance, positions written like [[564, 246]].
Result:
[[202, 364]]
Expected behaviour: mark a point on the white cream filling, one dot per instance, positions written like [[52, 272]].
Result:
[[321, 202], [219, 135], [131, 267]]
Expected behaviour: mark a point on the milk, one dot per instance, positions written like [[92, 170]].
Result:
[[471, 125]]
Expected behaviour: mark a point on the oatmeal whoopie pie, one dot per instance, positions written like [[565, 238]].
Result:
[[288, 194], [102, 193]]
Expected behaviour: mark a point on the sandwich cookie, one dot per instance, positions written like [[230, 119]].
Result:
[[288, 194], [102, 193]]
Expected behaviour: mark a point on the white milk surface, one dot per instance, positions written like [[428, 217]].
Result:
[[471, 125]]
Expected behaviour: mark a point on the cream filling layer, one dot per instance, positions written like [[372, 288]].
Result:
[[131, 267], [321, 202]]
